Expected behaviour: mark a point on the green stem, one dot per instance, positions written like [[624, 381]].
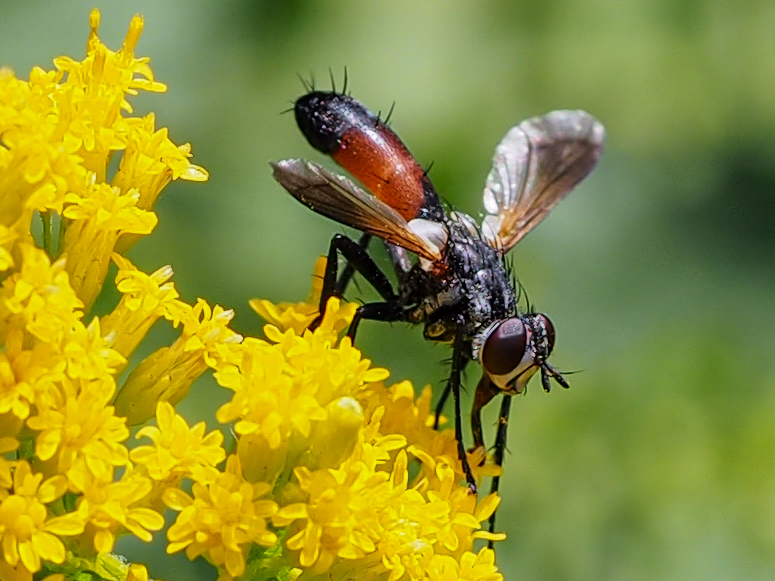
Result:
[[45, 218], [61, 235]]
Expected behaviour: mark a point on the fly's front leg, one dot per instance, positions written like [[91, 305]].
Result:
[[458, 363], [440, 406], [360, 260], [485, 391], [500, 449], [439, 410]]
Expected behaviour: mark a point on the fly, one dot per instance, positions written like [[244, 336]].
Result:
[[459, 288]]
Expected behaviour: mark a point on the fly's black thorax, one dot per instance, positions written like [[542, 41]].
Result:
[[469, 288]]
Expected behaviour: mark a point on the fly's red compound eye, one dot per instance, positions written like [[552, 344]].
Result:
[[503, 350], [544, 321]]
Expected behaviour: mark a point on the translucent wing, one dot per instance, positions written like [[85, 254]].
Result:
[[536, 165], [340, 199]]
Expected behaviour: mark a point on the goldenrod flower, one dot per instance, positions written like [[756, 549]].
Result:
[[363, 517], [470, 567], [283, 387], [222, 519], [23, 375], [137, 573], [60, 438], [167, 374], [39, 298], [109, 507], [99, 217], [333, 474], [145, 299], [81, 427], [27, 535], [178, 450]]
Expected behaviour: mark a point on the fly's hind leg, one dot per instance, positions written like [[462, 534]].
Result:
[[349, 270], [356, 256]]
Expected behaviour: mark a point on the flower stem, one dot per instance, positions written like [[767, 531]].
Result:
[[45, 218]]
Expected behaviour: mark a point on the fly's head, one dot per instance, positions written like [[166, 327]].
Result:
[[512, 350]]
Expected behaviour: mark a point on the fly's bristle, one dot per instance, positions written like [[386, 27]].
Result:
[[390, 113], [309, 85], [331, 76]]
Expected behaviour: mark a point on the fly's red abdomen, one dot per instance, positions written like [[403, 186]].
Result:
[[357, 140]]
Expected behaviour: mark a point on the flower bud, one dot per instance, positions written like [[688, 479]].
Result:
[[333, 439], [260, 462]]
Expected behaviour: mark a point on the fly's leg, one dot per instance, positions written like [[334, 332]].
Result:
[[458, 363], [349, 269], [390, 311], [440, 406], [485, 391], [439, 410], [356, 256], [500, 449]]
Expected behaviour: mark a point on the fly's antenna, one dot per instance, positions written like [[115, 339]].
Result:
[[549, 371]]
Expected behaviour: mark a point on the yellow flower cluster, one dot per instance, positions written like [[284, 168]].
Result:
[[67, 483], [318, 423], [333, 475]]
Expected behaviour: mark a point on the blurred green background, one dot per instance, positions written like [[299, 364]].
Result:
[[659, 272]]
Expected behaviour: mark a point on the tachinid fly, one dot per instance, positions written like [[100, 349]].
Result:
[[459, 287]]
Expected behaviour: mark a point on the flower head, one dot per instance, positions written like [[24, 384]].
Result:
[[178, 450], [61, 440], [222, 519], [27, 533], [167, 374], [109, 507]]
